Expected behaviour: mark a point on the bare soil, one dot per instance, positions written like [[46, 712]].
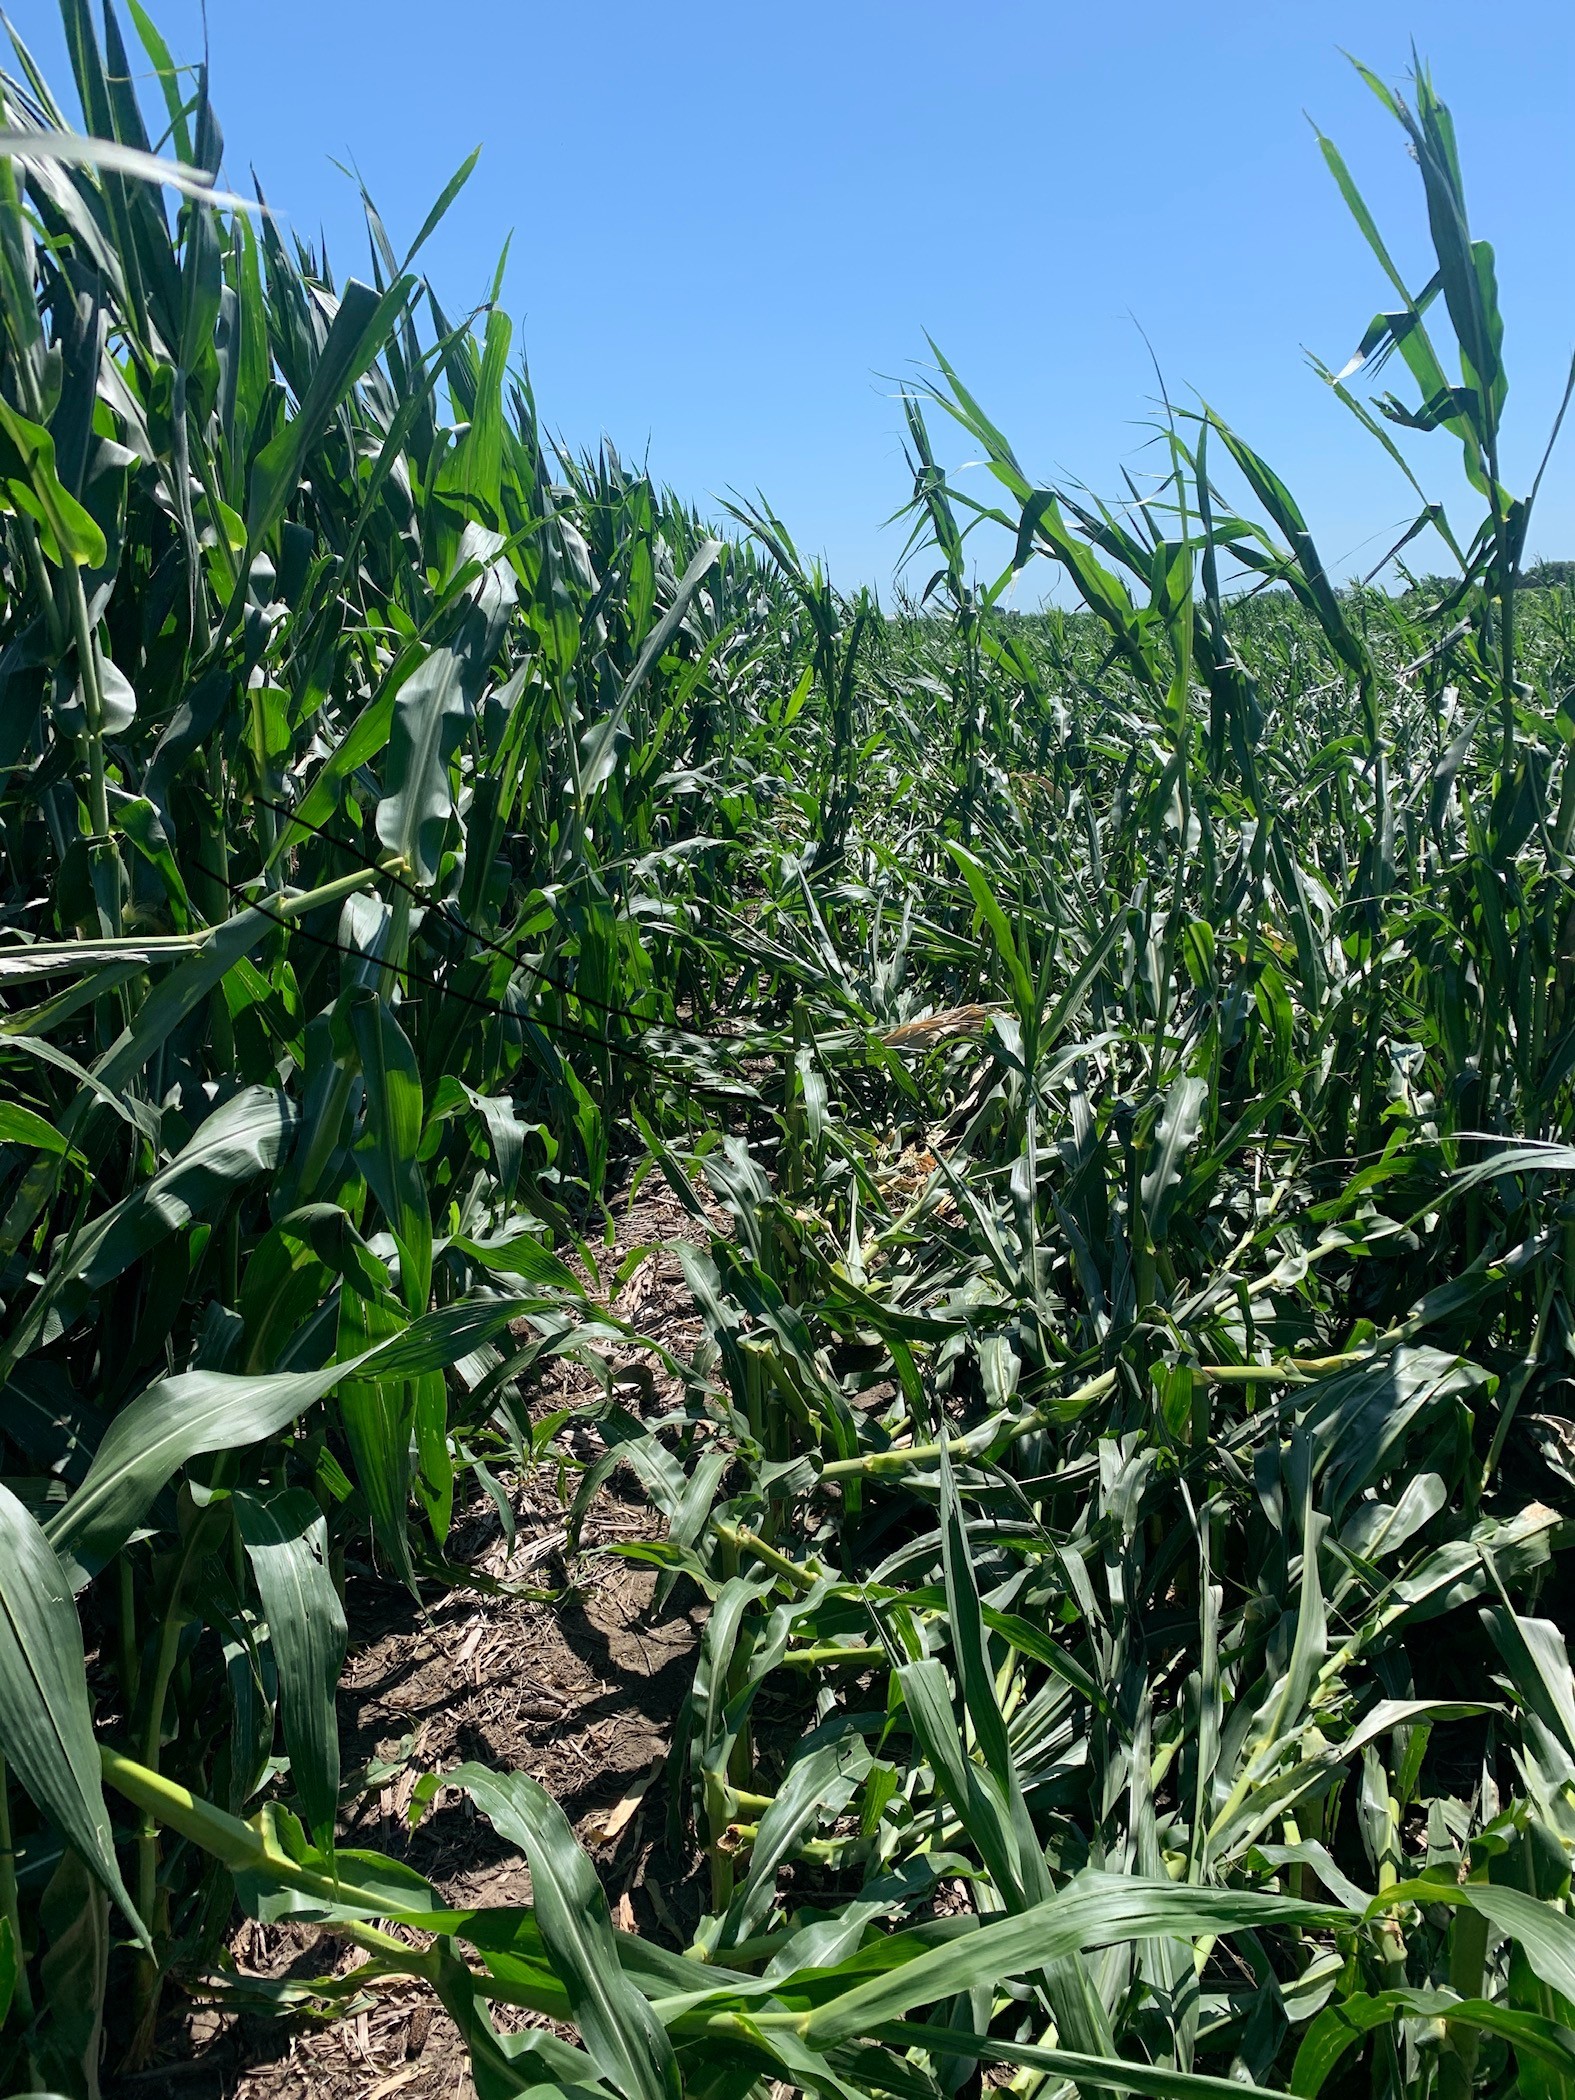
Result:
[[580, 1686]]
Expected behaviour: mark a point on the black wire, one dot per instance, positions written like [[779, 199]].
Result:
[[494, 1007], [474, 933]]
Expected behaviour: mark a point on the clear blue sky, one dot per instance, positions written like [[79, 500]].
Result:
[[733, 224]]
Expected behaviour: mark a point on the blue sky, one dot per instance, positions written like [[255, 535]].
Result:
[[732, 225]]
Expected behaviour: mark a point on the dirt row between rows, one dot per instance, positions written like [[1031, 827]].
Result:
[[582, 1689]]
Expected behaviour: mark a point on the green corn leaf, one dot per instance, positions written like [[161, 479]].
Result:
[[1358, 1420], [1111, 2073], [387, 1153], [1341, 2027], [28, 475], [169, 80], [429, 715], [290, 1272], [360, 329], [376, 1413], [20, 1126], [1180, 1120], [140, 821], [176, 1419], [990, 911], [623, 2037], [68, 2038], [600, 746], [1015, 1839], [521, 1255], [287, 1544], [242, 1139], [140, 1115], [1032, 1640], [1538, 1663], [502, 2066], [177, 995], [439, 211], [1095, 1910], [815, 1787], [473, 470], [46, 1723], [72, 150], [1544, 1933]]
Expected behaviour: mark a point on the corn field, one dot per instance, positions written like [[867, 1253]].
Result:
[[1118, 1064]]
